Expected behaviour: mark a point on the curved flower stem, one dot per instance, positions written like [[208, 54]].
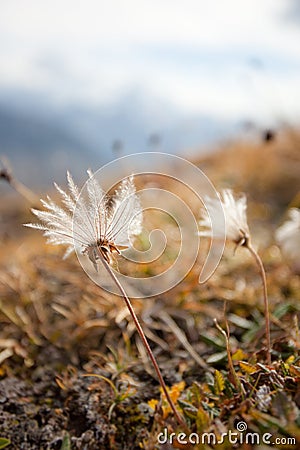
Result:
[[266, 302], [144, 341], [24, 191], [235, 378]]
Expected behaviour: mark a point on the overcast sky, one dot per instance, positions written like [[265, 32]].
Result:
[[229, 59]]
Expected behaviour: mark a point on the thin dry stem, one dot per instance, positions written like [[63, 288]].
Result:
[[235, 378], [145, 342], [265, 294], [24, 191], [180, 335], [28, 194]]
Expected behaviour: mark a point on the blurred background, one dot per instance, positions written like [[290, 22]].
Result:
[[84, 82]]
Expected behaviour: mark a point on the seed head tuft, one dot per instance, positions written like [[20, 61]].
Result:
[[97, 226], [234, 208]]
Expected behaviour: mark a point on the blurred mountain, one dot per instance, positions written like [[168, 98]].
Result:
[[43, 139], [38, 148]]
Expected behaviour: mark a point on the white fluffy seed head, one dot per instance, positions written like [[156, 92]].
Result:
[[288, 235], [93, 225], [234, 209]]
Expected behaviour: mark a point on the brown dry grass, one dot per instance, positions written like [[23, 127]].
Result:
[[56, 325]]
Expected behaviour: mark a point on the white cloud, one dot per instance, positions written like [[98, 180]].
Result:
[[94, 51], [96, 22]]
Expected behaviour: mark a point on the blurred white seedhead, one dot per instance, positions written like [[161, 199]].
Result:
[[288, 235], [102, 226], [237, 231], [236, 226]]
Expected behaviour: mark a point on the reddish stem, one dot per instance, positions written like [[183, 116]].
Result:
[[265, 294], [145, 342]]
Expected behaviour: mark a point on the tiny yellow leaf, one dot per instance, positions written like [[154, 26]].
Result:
[[290, 360], [219, 382], [174, 391], [247, 368], [239, 355], [152, 403], [202, 420]]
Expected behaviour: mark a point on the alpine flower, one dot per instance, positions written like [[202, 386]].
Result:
[[234, 209], [237, 231], [97, 226], [288, 235]]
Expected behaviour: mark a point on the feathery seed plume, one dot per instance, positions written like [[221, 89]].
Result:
[[99, 226], [96, 226], [237, 229], [288, 235]]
